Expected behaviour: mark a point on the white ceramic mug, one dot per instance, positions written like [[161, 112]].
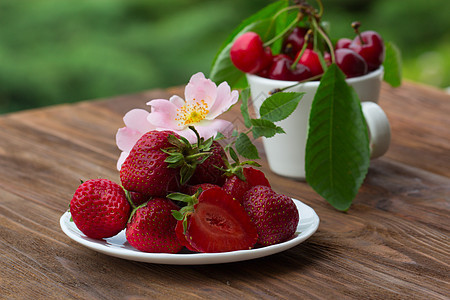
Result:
[[286, 152]]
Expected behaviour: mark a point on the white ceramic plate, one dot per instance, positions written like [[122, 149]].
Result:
[[118, 246]]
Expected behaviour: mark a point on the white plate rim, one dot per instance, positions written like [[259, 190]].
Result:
[[118, 247]]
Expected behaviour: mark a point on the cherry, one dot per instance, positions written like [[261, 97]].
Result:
[[248, 54], [350, 62], [343, 43], [281, 69], [371, 48], [293, 43], [310, 58]]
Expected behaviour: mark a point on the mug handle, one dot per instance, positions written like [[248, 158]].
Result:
[[379, 128]]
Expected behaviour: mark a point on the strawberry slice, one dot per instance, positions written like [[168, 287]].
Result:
[[182, 237], [219, 224]]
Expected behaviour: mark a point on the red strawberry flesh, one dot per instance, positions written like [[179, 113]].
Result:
[[220, 224]]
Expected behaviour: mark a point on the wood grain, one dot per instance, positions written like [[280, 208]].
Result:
[[392, 244]]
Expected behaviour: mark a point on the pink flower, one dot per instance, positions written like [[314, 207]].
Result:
[[136, 125], [204, 102]]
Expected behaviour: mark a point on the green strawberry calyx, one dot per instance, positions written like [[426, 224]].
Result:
[[184, 212], [187, 156]]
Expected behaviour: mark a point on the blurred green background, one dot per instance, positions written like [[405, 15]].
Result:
[[58, 51]]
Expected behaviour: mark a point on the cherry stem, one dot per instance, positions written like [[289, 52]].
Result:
[[326, 38], [355, 26], [281, 34], [305, 44], [319, 2], [278, 90]]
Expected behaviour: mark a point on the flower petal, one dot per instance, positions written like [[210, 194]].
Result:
[[137, 119], [127, 137], [224, 100], [207, 128], [123, 156], [163, 114], [199, 88]]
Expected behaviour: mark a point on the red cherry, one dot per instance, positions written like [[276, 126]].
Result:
[[371, 49], [310, 58], [343, 43], [294, 42], [281, 69], [350, 62], [247, 53]]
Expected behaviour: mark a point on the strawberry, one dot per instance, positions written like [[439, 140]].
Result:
[[179, 230], [274, 215], [145, 169], [215, 222], [237, 187], [100, 208], [152, 227], [211, 170], [138, 198], [192, 189]]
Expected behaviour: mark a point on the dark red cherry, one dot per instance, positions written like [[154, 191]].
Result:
[[300, 73], [371, 49], [281, 69], [248, 54], [310, 58], [293, 43], [350, 62], [343, 43]]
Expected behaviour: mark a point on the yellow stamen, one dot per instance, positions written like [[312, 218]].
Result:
[[192, 113]]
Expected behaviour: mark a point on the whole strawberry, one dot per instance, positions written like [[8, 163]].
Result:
[[237, 187], [100, 208], [274, 215], [152, 227], [145, 170], [138, 198], [211, 170]]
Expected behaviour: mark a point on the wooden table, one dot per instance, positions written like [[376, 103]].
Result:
[[392, 243]]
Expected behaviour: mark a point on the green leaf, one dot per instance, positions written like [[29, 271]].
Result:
[[245, 147], [177, 215], [266, 128], [261, 22], [245, 95], [393, 65], [233, 155], [186, 173], [279, 106], [337, 149], [180, 197]]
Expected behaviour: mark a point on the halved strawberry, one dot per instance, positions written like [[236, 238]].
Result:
[[219, 224], [237, 187], [179, 230]]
